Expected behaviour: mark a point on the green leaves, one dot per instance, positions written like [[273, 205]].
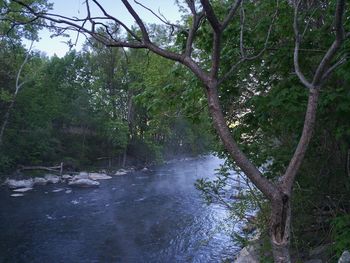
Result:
[[16, 22], [341, 233], [116, 132], [5, 95]]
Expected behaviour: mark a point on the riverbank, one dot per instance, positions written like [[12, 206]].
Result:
[[25, 178]]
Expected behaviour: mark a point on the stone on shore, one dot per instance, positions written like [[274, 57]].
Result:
[[345, 257], [249, 254]]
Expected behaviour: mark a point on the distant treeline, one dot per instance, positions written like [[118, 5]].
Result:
[[97, 107]]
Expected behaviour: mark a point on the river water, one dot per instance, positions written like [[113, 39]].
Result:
[[153, 216]]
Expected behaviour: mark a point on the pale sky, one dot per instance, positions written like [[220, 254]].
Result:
[[116, 8]]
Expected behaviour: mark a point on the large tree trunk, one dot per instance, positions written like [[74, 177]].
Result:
[[280, 222], [280, 218]]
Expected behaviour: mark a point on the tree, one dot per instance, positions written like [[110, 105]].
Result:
[[209, 18], [19, 85]]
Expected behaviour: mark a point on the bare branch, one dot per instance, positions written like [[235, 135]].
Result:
[[196, 21], [334, 67], [231, 70], [210, 14], [17, 88], [300, 75], [191, 6], [323, 66], [197, 18], [117, 21], [19, 85], [339, 37], [231, 14], [262, 183], [138, 20], [298, 156], [322, 72], [215, 56], [242, 19], [259, 54], [162, 19], [308, 22]]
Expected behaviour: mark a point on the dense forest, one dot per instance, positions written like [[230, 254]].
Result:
[[128, 98], [100, 106]]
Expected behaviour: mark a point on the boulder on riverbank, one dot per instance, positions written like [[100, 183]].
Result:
[[249, 254], [345, 257]]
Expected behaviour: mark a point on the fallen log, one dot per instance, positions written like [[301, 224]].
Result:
[[55, 169]]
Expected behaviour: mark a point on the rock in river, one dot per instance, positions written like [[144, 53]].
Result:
[[66, 177], [22, 190], [11, 183], [84, 183], [17, 195], [51, 178], [121, 172], [40, 181], [99, 176], [81, 175]]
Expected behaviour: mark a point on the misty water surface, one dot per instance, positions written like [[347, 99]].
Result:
[[153, 216]]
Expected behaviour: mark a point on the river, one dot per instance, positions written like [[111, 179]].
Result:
[[153, 216]]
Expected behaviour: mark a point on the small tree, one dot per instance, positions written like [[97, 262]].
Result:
[[18, 86], [203, 13]]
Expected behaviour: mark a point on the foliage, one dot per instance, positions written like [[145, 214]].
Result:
[[18, 24], [95, 105], [341, 233]]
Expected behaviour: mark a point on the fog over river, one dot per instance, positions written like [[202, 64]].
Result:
[[153, 216]]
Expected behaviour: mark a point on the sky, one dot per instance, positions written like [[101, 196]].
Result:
[[76, 8]]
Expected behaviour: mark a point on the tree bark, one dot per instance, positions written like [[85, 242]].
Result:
[[264, 185], [280, 217], [280, 221]]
